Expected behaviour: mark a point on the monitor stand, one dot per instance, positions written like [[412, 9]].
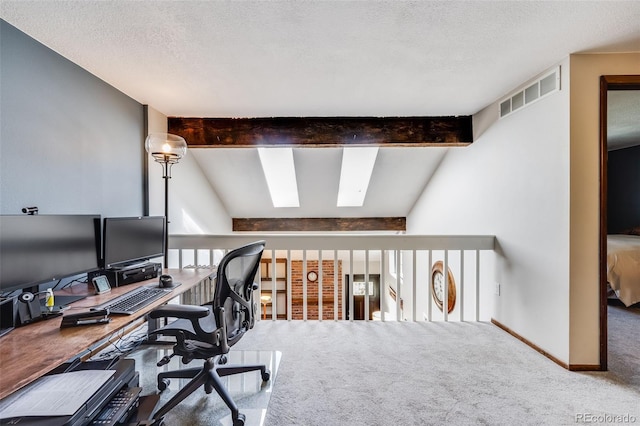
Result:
[[7, 316]]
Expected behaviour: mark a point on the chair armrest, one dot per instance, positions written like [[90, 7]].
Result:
[[189, 312]]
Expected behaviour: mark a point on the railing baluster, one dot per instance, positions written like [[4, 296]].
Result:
[[398, 285], [289, 302], [383, 286], [274, 284], [366, 285], [351, 308], [429, 287], [414, 286], [304, 285], [445, 298], [461, 297], [477, 285], [336, 304], [320, 269]]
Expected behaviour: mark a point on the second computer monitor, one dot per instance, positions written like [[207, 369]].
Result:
[[129, 240]]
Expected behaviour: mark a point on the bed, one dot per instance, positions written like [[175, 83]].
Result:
[[623, 267]]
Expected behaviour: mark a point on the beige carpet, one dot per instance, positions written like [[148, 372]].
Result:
[[373, 373], [340, 373]]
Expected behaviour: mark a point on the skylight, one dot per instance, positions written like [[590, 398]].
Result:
[[357, 166], [280, 172]]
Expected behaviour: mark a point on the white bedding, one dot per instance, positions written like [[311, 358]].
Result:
[[623, 267]]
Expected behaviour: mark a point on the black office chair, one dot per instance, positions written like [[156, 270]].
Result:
[[207, 332]]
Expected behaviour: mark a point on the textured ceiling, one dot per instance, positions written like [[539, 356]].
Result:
[[322, 58]]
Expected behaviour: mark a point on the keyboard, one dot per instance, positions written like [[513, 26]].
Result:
[[131, 302]]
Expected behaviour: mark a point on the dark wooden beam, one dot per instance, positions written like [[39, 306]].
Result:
[[323, 131], [324, 224]]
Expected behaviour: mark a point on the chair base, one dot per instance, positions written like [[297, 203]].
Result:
[[209, 376]]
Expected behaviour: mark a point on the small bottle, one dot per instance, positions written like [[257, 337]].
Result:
[[49, 301]]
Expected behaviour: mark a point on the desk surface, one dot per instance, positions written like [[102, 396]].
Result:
[[33, 350]]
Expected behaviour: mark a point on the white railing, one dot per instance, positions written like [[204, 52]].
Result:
[[399, 269]]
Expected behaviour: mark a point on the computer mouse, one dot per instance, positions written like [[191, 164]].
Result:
[[165, 281]]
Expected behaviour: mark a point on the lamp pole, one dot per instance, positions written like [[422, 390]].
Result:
[[167, 176]]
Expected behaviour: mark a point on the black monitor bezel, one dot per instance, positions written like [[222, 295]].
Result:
[[46, 278], [106, 264]]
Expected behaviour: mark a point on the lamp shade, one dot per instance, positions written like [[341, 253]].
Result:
[[165, 147]]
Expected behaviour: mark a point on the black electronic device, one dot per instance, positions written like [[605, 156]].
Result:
[[86, 318], [28, 308], [130, 240], [166, 281], [124, 377], [119, 409], [101, 284], [134, 300], [41, 248], [129, 275]]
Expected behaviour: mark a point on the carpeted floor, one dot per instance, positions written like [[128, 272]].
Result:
[[341, 373], [624, 344], [373, 373]]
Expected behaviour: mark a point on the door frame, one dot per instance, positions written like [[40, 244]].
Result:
[[607, 82]]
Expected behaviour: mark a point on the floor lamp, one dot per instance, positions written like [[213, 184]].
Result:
[[166, 149]]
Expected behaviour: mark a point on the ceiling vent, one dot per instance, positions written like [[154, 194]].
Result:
[[538, 89]]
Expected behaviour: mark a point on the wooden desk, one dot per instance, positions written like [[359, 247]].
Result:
[[33, 350]]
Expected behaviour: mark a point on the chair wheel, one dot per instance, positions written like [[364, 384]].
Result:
[[266, 375], [222, 360], [163, 384], [239, 421]]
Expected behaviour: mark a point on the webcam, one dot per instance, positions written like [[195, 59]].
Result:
[[30, 210]]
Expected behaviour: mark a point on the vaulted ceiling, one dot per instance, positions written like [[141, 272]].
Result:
[[322, 58]]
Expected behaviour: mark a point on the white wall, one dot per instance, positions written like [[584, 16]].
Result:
[[194, 208], [513, 182]]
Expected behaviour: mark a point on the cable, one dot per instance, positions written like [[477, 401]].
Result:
[[56, 285], [71, 283], [125, 344]]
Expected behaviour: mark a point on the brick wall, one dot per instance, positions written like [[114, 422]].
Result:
[[327, 274]]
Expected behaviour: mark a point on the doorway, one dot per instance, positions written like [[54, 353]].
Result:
[[359, 289], [608, 85]]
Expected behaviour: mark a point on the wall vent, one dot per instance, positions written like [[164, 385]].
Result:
[[536, 90]]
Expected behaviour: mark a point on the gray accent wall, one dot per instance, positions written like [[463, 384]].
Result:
[[69, 142], [623, 202]]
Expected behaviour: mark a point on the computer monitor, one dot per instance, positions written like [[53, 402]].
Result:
[[130, 240], [35, 249]]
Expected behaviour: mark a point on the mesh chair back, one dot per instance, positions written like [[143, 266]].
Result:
[[234, 290]]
